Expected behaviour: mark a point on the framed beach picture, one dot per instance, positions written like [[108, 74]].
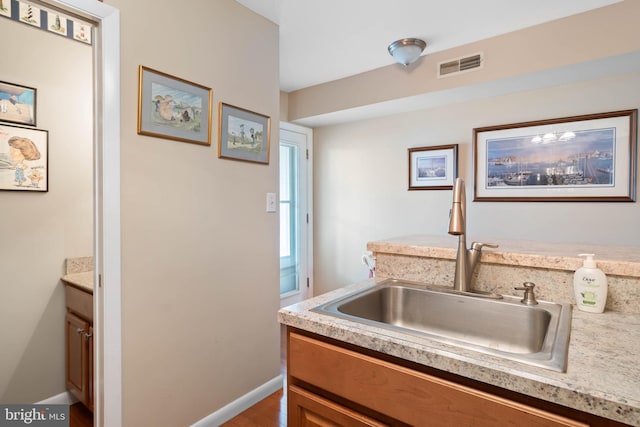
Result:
[[24, 158], [580, 158], [244, 135], [173, 108], [433, 168], [17, 104]]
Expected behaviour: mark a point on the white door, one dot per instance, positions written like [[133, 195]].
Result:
[[296, 240]]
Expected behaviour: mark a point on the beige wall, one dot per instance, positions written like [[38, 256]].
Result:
[[361, 175], [284, 106], [40, 230], [200, 266], [361, 168], [593, 35]]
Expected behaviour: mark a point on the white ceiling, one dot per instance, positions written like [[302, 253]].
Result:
[[325, 40]]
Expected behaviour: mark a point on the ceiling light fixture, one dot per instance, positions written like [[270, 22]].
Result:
[[406, 51]]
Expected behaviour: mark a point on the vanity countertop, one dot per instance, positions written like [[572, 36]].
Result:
[[602, 375], [79, 273], [82, 280]]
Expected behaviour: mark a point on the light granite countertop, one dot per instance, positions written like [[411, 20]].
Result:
[[82, 280], [79, 273], [602, 377], [616, 260]]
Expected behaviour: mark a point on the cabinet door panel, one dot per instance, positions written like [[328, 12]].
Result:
[[401, 393], [90, 369], [77, 357], [309, 410]]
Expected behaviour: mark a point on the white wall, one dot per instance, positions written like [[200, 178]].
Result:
[[40, 230], [361, 175]]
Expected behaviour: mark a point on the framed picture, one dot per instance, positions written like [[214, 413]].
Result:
[[433, 168], [23, 159], [244, 135], [173, 108], [17, 104], [581, 158]]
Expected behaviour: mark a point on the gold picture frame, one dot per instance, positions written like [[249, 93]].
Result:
[[243, 135], [173, 108]]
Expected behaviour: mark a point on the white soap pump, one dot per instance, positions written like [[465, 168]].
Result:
[[590, 286]]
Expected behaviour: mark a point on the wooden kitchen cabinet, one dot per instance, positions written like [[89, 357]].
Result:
[[335, 384], [79, 345], [310, 410]]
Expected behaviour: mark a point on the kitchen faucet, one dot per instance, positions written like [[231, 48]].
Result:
[[466, 259]]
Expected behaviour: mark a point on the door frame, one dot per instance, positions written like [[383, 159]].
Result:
[[107, 245], [308, 238]]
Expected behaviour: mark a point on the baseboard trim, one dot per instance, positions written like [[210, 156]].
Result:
[[241, 404], [64, 398]]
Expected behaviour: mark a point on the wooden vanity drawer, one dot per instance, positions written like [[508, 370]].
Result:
[[80, 302], [406, 395]]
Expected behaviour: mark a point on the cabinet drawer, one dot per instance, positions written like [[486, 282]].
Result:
[[80, 302], [309, 410], [406, 395]]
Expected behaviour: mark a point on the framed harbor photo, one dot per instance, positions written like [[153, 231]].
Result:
[[585, 158], [172, 108], [24, 158], [244, 135], [433, 168], [17, 104]]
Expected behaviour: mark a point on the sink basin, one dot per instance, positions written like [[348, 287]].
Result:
[[537, 335]]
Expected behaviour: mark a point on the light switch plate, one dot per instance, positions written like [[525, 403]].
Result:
[[271, 202]]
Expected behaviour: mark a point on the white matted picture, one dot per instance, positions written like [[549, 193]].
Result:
[[244, 135], [580, 158], [173, 108], [23, 159], [433, 168]]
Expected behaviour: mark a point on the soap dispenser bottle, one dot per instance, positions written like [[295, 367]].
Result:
[[590, 286]]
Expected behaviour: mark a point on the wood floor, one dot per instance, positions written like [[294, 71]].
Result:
[[80, 416], [271, 411]]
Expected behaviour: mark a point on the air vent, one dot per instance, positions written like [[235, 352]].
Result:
[[459, 65]]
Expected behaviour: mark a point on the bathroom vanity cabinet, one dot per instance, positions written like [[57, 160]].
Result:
[[79, 344], [331, 383]]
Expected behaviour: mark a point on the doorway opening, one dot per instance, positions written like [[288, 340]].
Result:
[[296, 226], [107, 249]]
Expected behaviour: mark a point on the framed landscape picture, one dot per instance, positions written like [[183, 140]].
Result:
[[244, 135], [580, 158], [173, 108], [24, 158], [433, 168], [17, 104]]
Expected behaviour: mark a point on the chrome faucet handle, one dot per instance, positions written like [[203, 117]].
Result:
[[529, 296], [477, 246]]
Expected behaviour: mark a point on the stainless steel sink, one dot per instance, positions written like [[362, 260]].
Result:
[[536, 335]]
